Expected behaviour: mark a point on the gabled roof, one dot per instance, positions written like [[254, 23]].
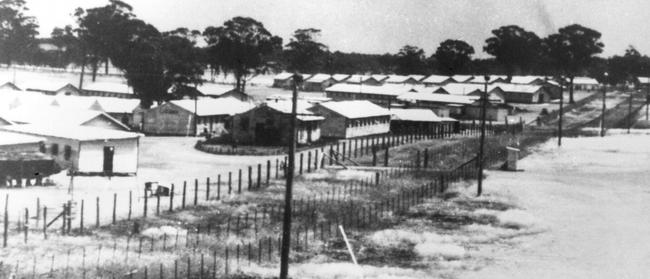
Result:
[[365, 89], [211, 106], [355, 109], [214, 89], [518, 88], [380, 78], [462, 78], [525, 79], [417, 77], [56, 116], [463, 88], [436, 79], [643, 80], [117, 105], [302, 109], [45, 85], [80, 133], [9, 138], [420, 115], [479, 79], [356, 79], [318, 78], [340, 77], [438, 98], [74, 102], [112, 87], [283, 76], [585, 81], [398, 79]]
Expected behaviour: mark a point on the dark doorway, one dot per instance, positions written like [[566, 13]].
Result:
[[109, 151]]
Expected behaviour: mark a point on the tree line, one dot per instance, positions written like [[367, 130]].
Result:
[[153, 61]]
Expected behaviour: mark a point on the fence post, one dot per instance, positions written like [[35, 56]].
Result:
[[268, 172], [207, 188], [301, 159], [386, 156], [426, 158], [171, 199], [376, 178], [250, 177], [97, 212], [115, 207], [374, 155], [308, 161], [45, 221], [130, 205], [259, 176], [183, 195], [196, 191], [218, 186]]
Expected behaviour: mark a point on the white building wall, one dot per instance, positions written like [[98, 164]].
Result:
[[125, 158]]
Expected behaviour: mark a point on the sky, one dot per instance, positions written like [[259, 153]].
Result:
[[381, 26]]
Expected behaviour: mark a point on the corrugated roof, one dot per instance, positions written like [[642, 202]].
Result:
[[318, 78], [283, 76], [74, 102], [44, 85], [340, 77], [214, 89], [585, 81], [465, 88], [438, 98], [10, 138], [302, 109], [356, 79], [397, 79], [54, 116], [436, 79], [117, 105], [355, 109], [418, 77], [80, 133], [525, 79], [211, 106], [367, 89], [518, 88], [379, 77], [462, 78], [420, 115], [113, 87]]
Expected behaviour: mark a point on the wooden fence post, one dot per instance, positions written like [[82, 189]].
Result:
[[183, 194], [239, 182], [426, 158], [259, 176], [308, 161], [6, 222], [196, 191], [97, 212], [44, 222], [114, 207], [301, 159], [374, 155], [81, 219], [130, 205], [207, 188], [171, 199], [250, 178], [218, 186], [268, 173], [386, 156]]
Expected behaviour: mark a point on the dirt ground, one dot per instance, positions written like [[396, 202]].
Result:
[[591, 197]]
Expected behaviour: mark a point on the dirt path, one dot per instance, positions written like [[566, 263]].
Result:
[[593, 198]]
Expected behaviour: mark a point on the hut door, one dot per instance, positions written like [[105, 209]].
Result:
[[109, 151]]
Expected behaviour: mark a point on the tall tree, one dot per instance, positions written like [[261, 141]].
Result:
[[572, 50], [142, 59], [304, 53], [453, 56], [183, 61], [69, 45], [17, 32], [103, 30], [410, 60], [242, 47], [514, 47]]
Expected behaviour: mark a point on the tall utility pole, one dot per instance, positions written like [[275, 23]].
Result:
[[484, 101], [286, 222], [559, 123], [602, 116]]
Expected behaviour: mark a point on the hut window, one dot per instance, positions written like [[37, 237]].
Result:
[[67, 152], [54, 149]]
